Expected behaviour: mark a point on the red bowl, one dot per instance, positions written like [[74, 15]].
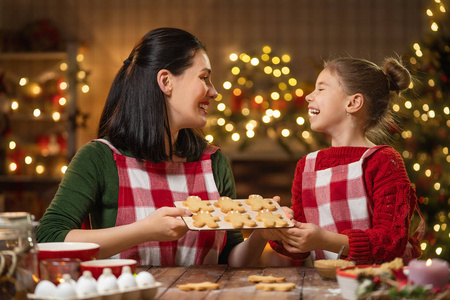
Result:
[[96, 266], [82, 251]]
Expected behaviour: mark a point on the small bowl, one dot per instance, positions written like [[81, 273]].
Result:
[[327, 267], [82, 251], [348, 282], [96, 266]]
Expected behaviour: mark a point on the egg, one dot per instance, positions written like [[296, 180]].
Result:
[[86, 285], [107, 282], [126, 280], [144, 279], [45, 289], [65, 290]]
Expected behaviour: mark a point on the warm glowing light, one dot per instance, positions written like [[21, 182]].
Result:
[[285, 132], [63, 85], [428, 263], [442, 8], [288, 97], [282, 86], [235, 136], [12, 167], [419, 53], [229, 127], [36, 89], [285, 70], [292, 81], [277, 73], [269, 112], [221, 107], [431, 114], [219, 97], [62, 101], [23, 81], [63, 169], [275, 96], [438, 250], [268, 69], [267, 49], [36, 112], [221, 121], [235, 70], [423, 246], [56, 116], [396, 107], [209, 138], [245, 111], [63, 66], [81, 75], [259, 99], [245, 58], [237, 92], [425, 107], [40, 169], [266, 119], [428, 173], [233, 57], [437, 186], [80, 57], [306, 134], [85, 88], [416, 46], [12, 145], [227, 85], [300, 121], [276, 113], [265, 57], [446, 110], [299, 92], [28, 160], [413, 60], [429, 13], [286, 58], [14, 105], [276, 60], [431, 82], [408, 104], [434, 26], [416, 167], [250, 134], [254, 61]]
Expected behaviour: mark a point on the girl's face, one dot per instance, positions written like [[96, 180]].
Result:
[[191, 93], [327, 105]]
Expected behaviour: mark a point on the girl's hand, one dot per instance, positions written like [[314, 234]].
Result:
[[164, 224], [303, 237]]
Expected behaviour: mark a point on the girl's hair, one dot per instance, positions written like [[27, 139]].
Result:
[[135, 115], [379, 86]]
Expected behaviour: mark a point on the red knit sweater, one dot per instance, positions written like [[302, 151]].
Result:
[[387, 184]]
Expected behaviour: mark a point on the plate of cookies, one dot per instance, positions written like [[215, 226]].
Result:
[[228, 214]]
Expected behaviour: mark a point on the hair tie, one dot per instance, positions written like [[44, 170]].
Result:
[[127, 61]]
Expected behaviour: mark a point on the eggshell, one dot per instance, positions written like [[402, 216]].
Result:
[[65, 290], [86, 285], [145, 279], [44, 289], [126, 280], [107, 282]]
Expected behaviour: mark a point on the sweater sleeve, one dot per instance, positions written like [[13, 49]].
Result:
[[297, 207], [394, 201], [90, 185]]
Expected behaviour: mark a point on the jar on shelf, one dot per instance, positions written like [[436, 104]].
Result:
[[18, 255]]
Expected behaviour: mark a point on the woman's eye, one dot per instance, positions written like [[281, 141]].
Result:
[[205, 78]]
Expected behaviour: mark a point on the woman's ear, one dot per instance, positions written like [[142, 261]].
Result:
[[355, 103], [163, 77]]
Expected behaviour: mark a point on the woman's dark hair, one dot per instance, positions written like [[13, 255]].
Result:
[[135, 116], [379, 86]]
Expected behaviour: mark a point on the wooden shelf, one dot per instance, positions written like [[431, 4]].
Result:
[[33, 56]]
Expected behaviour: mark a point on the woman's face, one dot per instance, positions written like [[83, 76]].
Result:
[[191, 94]]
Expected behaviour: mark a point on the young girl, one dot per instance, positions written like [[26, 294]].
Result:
[[354, 196], [148, 155]]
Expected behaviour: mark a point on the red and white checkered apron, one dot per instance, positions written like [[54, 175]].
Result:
[[145, 187], [335, 198]]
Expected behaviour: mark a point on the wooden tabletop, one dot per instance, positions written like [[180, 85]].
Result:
[[234, 283]]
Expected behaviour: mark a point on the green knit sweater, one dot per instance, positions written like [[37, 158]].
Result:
[[91, 186]]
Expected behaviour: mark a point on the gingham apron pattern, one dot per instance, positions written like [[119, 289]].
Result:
[[145, 187], [335, 198]]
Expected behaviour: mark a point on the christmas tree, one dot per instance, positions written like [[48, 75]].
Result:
[[424, 139]]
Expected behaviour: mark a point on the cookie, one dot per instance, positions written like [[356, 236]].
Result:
[[281, 286], [270, 220], [238, 220], [205, 218], [226, 205], [265, 278], [257, 203], [199, 286], [195, 204]]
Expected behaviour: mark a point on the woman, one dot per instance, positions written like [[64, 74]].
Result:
[[149, 153]]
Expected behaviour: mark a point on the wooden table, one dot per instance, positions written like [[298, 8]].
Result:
[[234, 283]]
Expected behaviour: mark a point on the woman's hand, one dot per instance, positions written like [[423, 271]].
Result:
[[164, 224]]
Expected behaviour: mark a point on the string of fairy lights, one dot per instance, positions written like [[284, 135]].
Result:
[[432, 113], [31, 102]]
